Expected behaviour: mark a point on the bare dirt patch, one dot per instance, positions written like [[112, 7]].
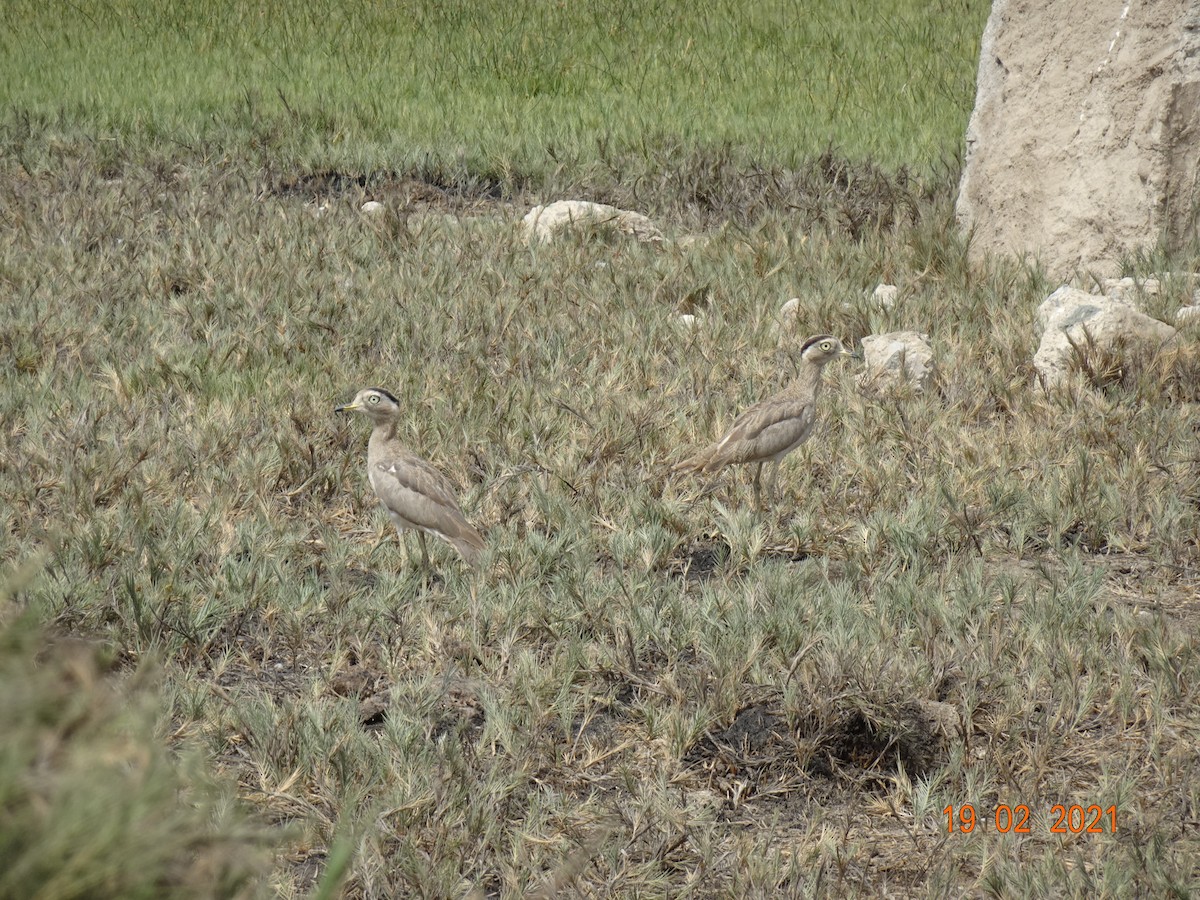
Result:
[[699, 189]]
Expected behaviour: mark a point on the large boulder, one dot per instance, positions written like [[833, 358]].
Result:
[[1085, 138]]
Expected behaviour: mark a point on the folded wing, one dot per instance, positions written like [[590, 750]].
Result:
[[766, 431], [416, 495]]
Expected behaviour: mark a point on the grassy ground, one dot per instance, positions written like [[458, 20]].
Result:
[[978, 595]]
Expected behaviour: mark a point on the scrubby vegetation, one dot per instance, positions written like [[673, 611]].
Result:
[[94, 806], [983, 594]]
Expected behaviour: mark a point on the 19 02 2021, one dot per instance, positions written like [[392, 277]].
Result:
[[1017, 819]]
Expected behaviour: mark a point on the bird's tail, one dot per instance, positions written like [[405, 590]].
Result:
[[469, 543], [694, 464]]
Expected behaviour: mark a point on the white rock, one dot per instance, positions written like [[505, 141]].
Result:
[[1072, 318], [1186, 315], [1067, 298], [788, 314], [1129, 290], [544, 223], [372, 207], [899, 357], [687, 321], [885, 295]]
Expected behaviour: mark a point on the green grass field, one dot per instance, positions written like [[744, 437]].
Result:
[[496, 86], [221, 673]]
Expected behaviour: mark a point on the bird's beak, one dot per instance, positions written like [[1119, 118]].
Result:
[[853, 354], [347, 407]]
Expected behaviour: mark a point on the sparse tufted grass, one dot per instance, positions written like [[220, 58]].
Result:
[[983, 594]]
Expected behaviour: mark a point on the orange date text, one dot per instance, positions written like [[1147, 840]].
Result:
[[1063, 819]]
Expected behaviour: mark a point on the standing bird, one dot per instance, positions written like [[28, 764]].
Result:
[[414, 493], [772, 428]]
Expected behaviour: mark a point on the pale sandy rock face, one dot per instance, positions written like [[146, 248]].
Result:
[[1073, 320], [897, 358], [544, 223], [1081, 146]]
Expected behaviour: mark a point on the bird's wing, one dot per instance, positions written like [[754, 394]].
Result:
[[411, 488], [765, 430]]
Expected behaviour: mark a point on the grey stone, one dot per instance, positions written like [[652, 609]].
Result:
[[897, 358], [885, 295], [1187, 315], [1072, 319], [544, 223]]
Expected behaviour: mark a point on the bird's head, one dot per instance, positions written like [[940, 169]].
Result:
[[376, 404], [823, 348]]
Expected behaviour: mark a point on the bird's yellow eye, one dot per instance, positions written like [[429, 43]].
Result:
[[826, 345], [374, 398]]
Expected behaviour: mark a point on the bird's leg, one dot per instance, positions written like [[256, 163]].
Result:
[[424, 551], [757, 486], [407, 549], [403, 545], [771, 484]]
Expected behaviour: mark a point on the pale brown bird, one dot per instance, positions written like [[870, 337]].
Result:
[[415, 494], [772, 428]]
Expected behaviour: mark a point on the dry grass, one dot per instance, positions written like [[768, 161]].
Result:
[[982, 594]]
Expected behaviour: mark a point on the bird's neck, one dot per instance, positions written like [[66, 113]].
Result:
[[384, 431], [808, 378]]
